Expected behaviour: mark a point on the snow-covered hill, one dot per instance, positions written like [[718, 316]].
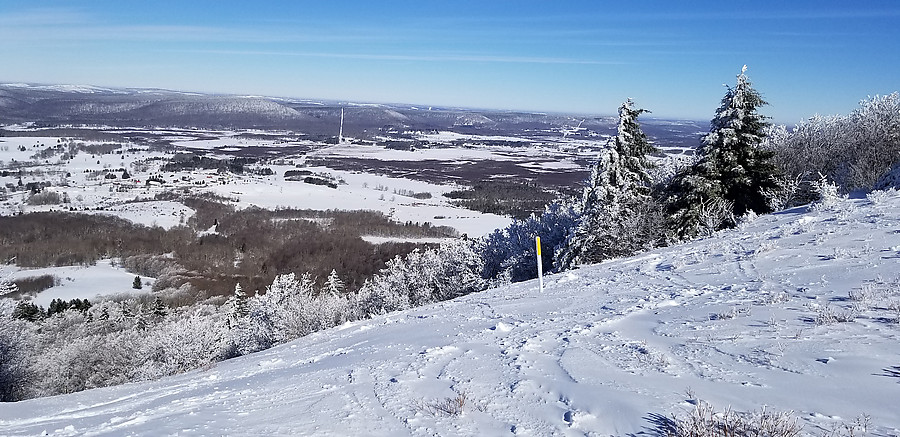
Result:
[[796, 311]]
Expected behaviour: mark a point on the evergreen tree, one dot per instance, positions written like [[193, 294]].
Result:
[[28, 311], [137, 283], [140, 319], [237, 306], [617, 202], [733, 175], [7, 287], [57, 306], [334, 285], [159, 308], [80, 305]]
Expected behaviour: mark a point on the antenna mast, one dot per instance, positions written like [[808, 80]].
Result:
[[341, 133]]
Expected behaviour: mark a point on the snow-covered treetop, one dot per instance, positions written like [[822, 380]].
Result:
[[7, 286], [737, 122]]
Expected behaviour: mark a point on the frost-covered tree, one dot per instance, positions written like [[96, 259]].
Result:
[[509, 253], [877, 132], [187, 340], [451, 270], [14, 339], [334, 285], [290, 308], [731, 166], [617, 206], [854, 150], [159, 307], [238, 302], [7, 287]]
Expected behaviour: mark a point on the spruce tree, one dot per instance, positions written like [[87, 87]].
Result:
[[334, 285], [616, 200], [26, 310], [159, 308], [732, 175], [7, 287], [237, 306]]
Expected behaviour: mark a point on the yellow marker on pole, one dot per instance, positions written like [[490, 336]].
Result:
[[537, 241]]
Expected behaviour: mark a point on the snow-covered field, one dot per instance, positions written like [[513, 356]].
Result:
[[81, 282], [796, 311], [361, 191], [81, 179]]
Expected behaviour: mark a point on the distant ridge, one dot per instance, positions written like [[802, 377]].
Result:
[[48, 105]]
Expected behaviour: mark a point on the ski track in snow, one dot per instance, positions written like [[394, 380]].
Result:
[[603, 351]]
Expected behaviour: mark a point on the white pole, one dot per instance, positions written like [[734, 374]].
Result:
[[540, 264], [341, 133]]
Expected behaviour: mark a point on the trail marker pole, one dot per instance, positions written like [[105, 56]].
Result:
[[540, 265]]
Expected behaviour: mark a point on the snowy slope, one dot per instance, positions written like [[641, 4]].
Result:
[[747, 318]]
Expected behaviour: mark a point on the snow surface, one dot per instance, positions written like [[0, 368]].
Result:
[[360, 191], [82, 282], [163, 213], [605, 350]]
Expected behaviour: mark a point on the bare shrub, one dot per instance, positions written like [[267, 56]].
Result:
[[715, 214], [704, 421], [826, 315], [148, 265], [450, 406], [858, 427], [733, 313], [774, 298]]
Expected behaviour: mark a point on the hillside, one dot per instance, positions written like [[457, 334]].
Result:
[[796, 311]]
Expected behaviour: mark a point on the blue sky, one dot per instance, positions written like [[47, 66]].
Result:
[[558, 56]]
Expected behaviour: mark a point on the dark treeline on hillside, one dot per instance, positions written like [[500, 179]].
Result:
[[516, 199], [249, 246], [61, 239]]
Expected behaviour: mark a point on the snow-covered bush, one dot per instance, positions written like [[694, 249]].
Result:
[[828, 192], [451, 270], [14, 338], [88, 362], [186, 340], [510, 253], [882, 196], [705, 421], [290, 308], [108, 343], [713, 215], [855, 151]]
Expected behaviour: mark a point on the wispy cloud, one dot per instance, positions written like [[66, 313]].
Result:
[[415, 57], [71, 25]]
